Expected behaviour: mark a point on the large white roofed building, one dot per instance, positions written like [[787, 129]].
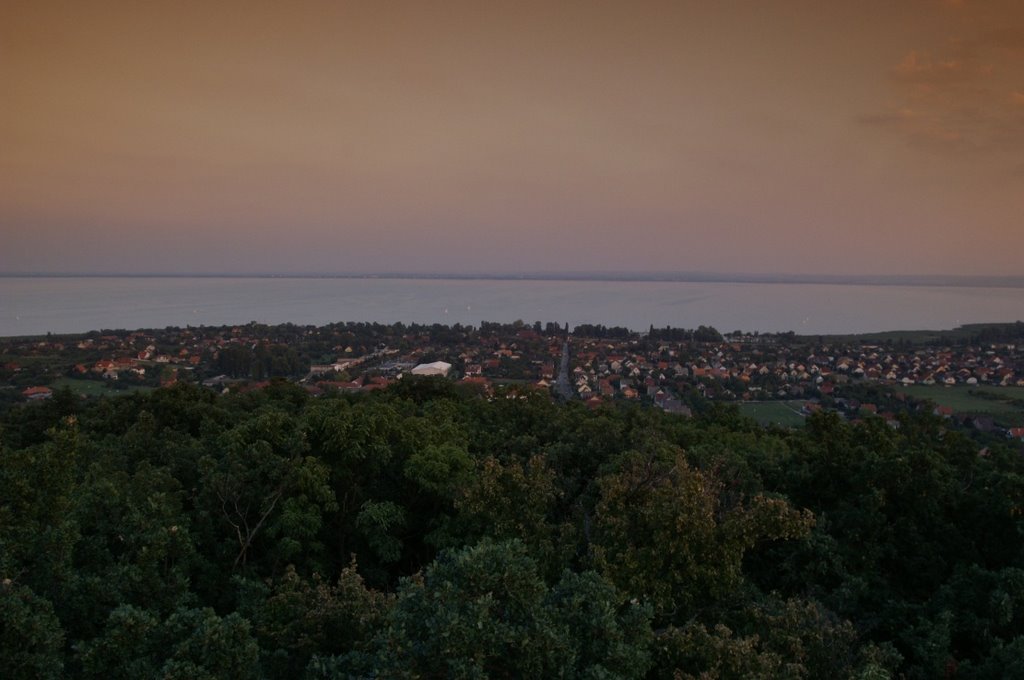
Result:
[[435, 368]]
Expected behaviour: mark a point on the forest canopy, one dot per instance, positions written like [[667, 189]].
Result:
[[429, 530]]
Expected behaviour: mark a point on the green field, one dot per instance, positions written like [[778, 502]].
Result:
[[913, 337], [783, 413], [95, 388], [921, 337], [1012, 392], [975, 400], [45, 360]]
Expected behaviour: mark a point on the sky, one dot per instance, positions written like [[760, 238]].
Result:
[[791, 136]]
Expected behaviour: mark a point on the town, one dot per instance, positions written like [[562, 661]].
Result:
[[677, 370]]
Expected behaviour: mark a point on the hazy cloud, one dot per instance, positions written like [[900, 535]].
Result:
[[918, 67], [962, 94], [920, 128], [1009, 40]]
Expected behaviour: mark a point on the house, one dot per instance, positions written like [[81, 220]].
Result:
[[376, 383], [103, 365], [672, 405], [982, 423], [37, 393], [342, 385], [481, 383]]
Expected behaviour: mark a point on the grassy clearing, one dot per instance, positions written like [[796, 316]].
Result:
[[783, 413], [33, 360], [922, 337], [961, 399], [1011, 392], [975, 400], [95, 388], [913, 337]]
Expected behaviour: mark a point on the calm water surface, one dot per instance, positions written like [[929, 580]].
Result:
[[33, 305]]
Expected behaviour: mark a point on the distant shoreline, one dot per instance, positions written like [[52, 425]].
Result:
[[921, 335], [937, 280]]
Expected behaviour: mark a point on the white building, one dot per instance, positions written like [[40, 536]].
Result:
[[436, 368]]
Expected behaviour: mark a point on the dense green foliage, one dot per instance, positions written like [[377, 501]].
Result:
[[427, 531]]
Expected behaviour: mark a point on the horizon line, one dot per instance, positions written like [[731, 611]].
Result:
[[952, 280]]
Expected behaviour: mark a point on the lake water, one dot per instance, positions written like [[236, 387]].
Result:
[[35, 305]]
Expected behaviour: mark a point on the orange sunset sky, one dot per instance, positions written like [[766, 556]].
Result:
[[783, 136]]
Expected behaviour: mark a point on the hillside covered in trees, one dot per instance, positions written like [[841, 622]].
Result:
[[428, 531]]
